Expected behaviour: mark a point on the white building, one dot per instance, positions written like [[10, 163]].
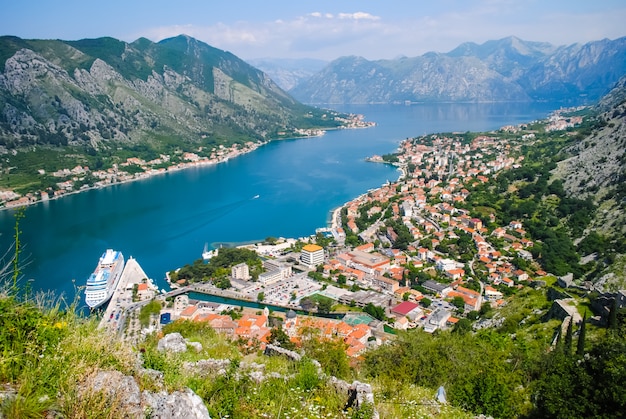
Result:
[[312, 255], [240, 271]]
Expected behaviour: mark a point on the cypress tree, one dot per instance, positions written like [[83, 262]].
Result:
[[580, 347], [613, 315]]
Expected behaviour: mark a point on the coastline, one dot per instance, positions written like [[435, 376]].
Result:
[[140, 176], [335, 214], [31, 199]]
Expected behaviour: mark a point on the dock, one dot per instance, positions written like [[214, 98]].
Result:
[[122, 302]]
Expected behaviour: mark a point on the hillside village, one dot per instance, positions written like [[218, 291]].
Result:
[[411, 254]]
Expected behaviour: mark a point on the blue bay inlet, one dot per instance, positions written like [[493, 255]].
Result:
[[164, 221]]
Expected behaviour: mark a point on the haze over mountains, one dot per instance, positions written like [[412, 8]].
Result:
[[508, 69]]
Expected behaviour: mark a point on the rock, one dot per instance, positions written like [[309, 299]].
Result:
[[172, 342], [206, 367], [178, 405], [359, 394], [257, 376], [121, 389], [277, 350], [195, 345]]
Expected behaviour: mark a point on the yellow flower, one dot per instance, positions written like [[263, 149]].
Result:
[[60, 325]]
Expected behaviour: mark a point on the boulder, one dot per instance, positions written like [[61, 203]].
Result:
[[172, 342], [178, 405]]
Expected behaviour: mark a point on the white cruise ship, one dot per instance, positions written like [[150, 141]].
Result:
[[102, 282]]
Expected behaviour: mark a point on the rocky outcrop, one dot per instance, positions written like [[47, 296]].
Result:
[[123, 392], [360, 395], [273, 350], [207, 367], [175, 342], [180, 404]]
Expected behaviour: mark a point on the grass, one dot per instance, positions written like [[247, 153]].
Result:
[[49, 353]]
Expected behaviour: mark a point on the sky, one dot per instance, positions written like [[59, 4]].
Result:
[[322, 29]]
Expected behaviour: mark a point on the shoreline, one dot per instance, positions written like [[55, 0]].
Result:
[[140, 176], [175, 167]]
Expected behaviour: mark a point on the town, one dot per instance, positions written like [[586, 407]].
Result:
[[410, 254]]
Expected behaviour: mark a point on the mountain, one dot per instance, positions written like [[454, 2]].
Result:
[[593, 167], [287, 72], [431, 77], [99, 92], [508, 69]]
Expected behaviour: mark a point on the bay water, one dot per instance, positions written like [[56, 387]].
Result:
[[164, 221]]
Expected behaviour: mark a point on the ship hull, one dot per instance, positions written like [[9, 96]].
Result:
[[102, 283]]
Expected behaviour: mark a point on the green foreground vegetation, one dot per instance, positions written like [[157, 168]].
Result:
[[48, 351]]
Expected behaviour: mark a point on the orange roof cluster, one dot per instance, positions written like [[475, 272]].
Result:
[[354, 336]]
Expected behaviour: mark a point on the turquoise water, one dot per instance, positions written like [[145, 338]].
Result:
[[165, 221]]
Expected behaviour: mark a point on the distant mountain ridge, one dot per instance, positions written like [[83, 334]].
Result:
[[508, 69], [288, 72], [95, 91]]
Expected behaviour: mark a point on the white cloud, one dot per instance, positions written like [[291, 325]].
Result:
[[358, 16], [326, 35]]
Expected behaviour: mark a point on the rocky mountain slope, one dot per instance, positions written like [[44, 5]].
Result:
[[509, 69], [94, 91], [595, 168]]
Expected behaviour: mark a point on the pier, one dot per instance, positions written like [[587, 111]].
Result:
[[121, 302]]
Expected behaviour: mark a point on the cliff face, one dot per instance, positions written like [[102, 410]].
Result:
[[509, 69], [95, 90], [595, 169]]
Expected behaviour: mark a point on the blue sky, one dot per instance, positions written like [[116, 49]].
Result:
[[322, 29]]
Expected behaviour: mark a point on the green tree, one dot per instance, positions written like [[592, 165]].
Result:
[[280, 338], [458, 302], [426, 302], [324, 305], [223, 283], [462, 327], [341, 279], [260, 296], [582, 335], [330, 353], [375, 311]]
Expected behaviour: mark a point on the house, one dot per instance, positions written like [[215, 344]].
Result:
[[492, 294], [407, 309], [455, 273], [436, 320], [521, 275], [436, 287], [401, 323], [189, 312], [384, 283], [508, 282]]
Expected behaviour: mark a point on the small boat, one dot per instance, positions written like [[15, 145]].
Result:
[[256, 196]]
